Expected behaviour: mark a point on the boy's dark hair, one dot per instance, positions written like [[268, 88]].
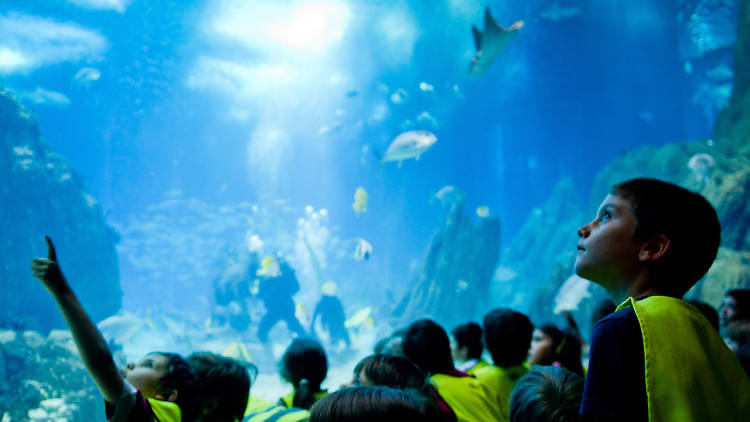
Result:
[[742, 297], [305, 365], [427, 344], [390, 371], [180, 376], [546, 394], [708, 311], [373, 403], [469, 335], [507, 335], [226, 385], [686, 218]]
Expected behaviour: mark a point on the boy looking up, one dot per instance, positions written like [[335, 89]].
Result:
[[162, 386], [657, 357]]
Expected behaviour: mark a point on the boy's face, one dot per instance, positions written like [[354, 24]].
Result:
[[727, 310], [147, 374], [607, 252], [540, 350]]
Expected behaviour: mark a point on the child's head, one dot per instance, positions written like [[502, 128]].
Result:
[[388, 370], [168, 377], [737, 334], [651, 227], [226, 384], [370, 403], [426, 344], [546, 394], [736, 305], [544, 343], [304, 359], [467, 342], [507, 336]]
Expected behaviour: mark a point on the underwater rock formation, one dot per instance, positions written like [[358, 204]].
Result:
[[732, 129], [548, 237], [44, 379], [722, 176], [453, 284], [41, 194]]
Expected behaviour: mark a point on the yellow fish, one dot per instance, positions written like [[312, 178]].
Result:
[[238, 351], [360, 200], [483, 211], [268, 268]]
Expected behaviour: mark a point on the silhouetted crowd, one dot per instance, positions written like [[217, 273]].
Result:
[[651, 356]]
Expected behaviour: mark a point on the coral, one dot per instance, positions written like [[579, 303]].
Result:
[[43, 379], [453, 284], [41, 194]]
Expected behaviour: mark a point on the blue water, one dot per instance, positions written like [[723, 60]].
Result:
[[185, 103]]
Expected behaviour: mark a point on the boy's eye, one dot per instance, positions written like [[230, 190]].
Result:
[[605, 217]]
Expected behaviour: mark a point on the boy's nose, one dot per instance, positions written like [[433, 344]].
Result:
[[583, 231], [130, 366]]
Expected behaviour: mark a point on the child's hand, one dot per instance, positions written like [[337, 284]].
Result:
[[48, 271]]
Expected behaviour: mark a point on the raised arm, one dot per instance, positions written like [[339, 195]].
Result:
[[89, 341]]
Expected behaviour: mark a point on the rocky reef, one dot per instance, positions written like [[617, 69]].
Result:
[[44, 379], [718, 168], [41, 194], [453, 284]]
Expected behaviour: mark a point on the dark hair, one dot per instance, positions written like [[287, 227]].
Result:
[[686, 218], [390, 371], [708, 311], [426, 344], [469, 335], [742, 297], [374, 403], [546, 394], [180, 376], [305, 365], [392, 343], [507, 335], [226, 385]]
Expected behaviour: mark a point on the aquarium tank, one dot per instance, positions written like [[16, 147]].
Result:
[[229, 175]]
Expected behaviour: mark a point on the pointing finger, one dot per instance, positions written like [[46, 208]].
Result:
[[51, 254]]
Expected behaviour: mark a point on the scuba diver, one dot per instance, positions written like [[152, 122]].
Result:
[[231, 291], [332, 316], [278, 283]]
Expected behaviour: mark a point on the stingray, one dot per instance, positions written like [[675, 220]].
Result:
[[491, 42]]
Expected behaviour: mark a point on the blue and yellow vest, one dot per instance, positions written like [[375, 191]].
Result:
[[165, 411], [501, 382], [470, 400], [691, 375], [259, 410]]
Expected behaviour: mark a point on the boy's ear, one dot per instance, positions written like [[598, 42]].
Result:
[[654, 248], [168, 395]]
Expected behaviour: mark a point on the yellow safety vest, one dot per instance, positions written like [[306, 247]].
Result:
[[501, 382], [288, 399], [260, 410], [691, 375], [480, 364], [165, 411], [470, 400]]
